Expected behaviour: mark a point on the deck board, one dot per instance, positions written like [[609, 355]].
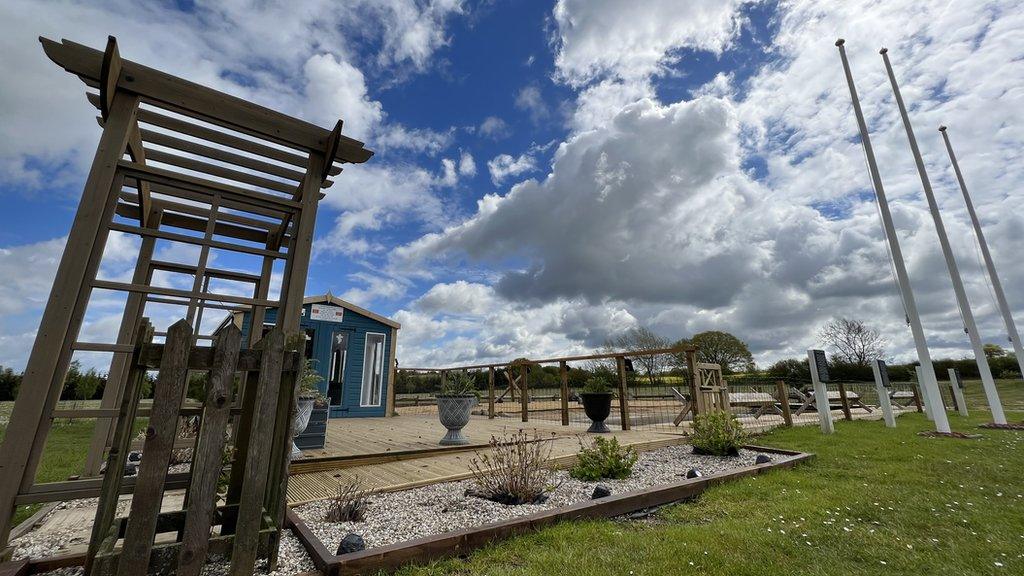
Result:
[[415, 437]]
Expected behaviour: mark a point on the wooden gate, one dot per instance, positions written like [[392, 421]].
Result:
[[713, 393], [245, 530]]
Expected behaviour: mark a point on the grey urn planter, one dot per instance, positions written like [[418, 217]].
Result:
[[303, 410], [454, 414]]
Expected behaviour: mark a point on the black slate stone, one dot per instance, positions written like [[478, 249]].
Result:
[[730, 452], [601, 491], [693, 473], [351, 543], [762, 459]]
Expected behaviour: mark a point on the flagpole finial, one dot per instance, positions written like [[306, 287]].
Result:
[[840, 42]]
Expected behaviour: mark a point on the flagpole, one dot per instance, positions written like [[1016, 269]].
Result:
[[997, 287], [930, 384], [970, 327]]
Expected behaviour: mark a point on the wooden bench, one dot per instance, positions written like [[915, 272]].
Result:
[[763, 401], [834, 400]]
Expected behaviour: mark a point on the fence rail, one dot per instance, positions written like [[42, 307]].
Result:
[[654, 389]]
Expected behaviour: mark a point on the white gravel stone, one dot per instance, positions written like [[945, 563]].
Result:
[[399, 516]]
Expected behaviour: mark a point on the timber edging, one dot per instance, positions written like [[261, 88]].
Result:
[[463, 541]]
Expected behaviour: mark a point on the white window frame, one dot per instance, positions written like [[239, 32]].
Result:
[[362, 379]]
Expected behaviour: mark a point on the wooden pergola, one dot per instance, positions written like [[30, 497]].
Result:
[[178, 164]]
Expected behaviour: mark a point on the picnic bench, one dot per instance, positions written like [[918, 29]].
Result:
[[762, 401], [807, 401], [903, 398]]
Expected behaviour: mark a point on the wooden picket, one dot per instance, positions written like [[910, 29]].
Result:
[[247, 530]]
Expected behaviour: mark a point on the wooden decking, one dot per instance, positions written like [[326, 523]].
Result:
[[387, 454]]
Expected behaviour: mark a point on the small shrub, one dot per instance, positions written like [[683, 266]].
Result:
[[349, 505], [1009, 375], [604, 459], [459, 384], [717, 434], [514, 471], [601, 382]]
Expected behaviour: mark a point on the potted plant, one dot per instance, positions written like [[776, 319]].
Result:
[[596, 397], [456, 398], [309, 397]]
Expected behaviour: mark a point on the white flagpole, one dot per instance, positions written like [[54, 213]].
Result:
[[930, 385], [997, 287], [970, 327]]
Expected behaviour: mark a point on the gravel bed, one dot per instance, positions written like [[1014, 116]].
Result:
[[292, 556], [399, 516]]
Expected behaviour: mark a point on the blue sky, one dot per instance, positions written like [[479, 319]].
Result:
[[549, 174]]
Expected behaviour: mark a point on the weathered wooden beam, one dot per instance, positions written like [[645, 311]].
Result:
[[203, 103], [208, 187], [160, 434], [207, 463], [146, 232], [44, 373], [257, 472], [219, 171]]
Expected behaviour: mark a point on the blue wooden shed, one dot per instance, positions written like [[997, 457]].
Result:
[[352, 348]]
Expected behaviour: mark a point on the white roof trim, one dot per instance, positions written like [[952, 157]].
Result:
[[332, 299]]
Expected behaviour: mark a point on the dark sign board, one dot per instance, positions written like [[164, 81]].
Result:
[[883, 372], [628, 364], [820, 364]]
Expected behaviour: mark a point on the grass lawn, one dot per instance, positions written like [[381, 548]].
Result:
[[875, 501]]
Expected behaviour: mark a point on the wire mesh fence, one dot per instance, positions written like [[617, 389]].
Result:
[[649, 391]]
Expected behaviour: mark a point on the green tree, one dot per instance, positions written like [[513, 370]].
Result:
[[9, 383], [993, 351], [791, 369], [722, 348]]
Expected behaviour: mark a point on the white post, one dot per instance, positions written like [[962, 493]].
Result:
[[819, 375], [997, 287], [882, 388], [970, 327], [929, 384], [956, 385], [927, 404]]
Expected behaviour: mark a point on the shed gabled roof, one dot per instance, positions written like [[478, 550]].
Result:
[[332, 299]]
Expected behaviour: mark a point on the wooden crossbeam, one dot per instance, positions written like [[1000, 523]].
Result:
[[203, 103]]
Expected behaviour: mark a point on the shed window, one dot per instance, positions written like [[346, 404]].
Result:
[[373, 370]]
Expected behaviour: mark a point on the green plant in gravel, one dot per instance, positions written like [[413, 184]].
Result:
[[600, 382], [717, 433], [459, 384], [604, 459]]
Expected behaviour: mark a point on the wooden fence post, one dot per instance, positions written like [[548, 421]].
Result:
[[490, 392], [917, 397], [563, 372], [623, 395], [524, 396], [845, 401], [695, 396], [783, 393]]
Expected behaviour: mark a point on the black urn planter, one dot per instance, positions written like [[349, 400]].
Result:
[[597, 405]]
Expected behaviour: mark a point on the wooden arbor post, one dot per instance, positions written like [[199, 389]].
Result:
[[267, 211]]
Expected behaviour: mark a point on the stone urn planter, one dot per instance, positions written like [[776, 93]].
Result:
[[597, 406], [454, 414], [303, 410]]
